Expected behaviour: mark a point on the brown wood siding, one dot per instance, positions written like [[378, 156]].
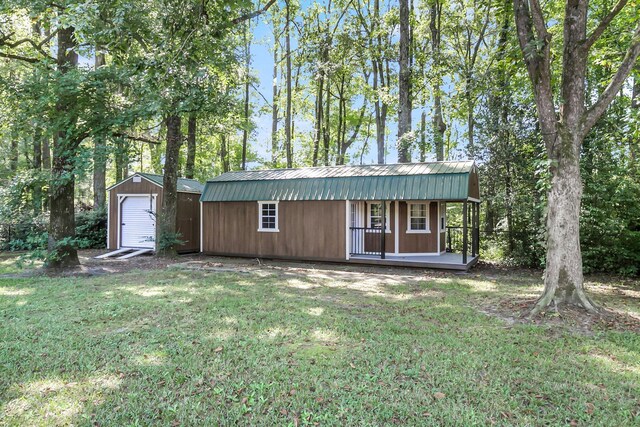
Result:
[[308, 230], [188, 222], [474, 186], [418, 242], [128, 187]]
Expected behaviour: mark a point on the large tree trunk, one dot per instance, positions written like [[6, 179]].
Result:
[[99, 155], [563, 273], [62, 223], [167, 236], [404, 86], [191, 147]]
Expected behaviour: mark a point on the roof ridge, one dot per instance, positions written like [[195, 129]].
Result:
[[351, 166]]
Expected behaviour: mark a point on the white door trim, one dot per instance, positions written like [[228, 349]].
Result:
[[201, 229], [347, 222], [396, 220], [121, 198]]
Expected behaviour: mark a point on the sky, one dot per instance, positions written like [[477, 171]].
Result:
[[262, 65]]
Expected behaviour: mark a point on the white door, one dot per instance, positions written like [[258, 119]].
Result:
[[138, 222], [357, 227]]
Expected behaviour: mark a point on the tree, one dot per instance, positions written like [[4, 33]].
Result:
[[404, 86], [439, 127], [564, 128]]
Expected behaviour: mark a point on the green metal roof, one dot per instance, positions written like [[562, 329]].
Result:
[[185, 185], [412, 181]]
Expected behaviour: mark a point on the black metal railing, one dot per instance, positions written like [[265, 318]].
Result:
[[367, 241]]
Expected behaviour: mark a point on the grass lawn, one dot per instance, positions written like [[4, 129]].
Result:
[[294, 346]]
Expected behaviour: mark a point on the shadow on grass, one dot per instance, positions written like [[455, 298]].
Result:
[[202, 347]]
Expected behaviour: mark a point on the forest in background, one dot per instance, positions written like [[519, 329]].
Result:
[[352, 80]]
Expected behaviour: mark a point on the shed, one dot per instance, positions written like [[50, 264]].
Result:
[[133, 210], [337, 213]]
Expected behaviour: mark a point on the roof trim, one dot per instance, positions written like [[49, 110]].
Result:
[[350, 171], [127, 179], [142, 175]]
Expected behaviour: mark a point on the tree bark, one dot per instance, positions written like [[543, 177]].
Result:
[[62, 223], [37, 166], [319, 104], [99, 155], [167, 232], [224, 153], [404, 86], [563, 272], [275, 100], [423, 136], [326, 127], [247, 85], [287, 123], [191, 147], [439, 126]]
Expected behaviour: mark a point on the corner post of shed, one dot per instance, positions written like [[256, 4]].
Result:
[[383, 230], [465, 239]]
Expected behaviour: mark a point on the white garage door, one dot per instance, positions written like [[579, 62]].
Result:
[[137, 223]]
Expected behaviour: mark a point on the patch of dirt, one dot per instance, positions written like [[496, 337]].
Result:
[[568, 318]]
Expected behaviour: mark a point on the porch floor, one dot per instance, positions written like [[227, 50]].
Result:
[[446, 261]]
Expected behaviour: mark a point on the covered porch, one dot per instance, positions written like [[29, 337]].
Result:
[[415, 233]]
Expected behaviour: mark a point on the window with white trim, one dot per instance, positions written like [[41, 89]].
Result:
[[374, 215], [268, 216], [418, 218]]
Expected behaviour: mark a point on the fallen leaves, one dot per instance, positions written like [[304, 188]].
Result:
[[590, 408], [439, 395]]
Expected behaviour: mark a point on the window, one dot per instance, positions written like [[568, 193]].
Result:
[[374, 215], [418, 218], [268, 216]]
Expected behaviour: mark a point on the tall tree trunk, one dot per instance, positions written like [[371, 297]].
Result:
[[634, 144], [13, 157], [167, 235], [470, 119], [62, 223], [341, 122], [247, 85], [224, 153], [46, 154], [319, 106], [287, 123], [37, 166], [423, 136], [275, 100], [120, 158], [326, 131], [191, 147], [404, 86], [439, 126], [99, 155]]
